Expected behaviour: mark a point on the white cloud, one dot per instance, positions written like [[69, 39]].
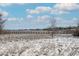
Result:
[[58, 12], [66, 6], [46, 19], [76, 20], [38, 19], [29, 16], [9, 4], [38, 10], [4, 13], [30, 11], [5, 4], [20, 3], [65, 22], [14, 18], [43, 19], [59, 8], [43, 9], [10, 19]]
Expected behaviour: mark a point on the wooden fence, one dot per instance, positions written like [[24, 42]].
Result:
[[39, 32]]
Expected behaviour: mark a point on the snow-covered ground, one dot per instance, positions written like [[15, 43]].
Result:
[[19, 45]]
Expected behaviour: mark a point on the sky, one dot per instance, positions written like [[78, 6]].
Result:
[[39, 15]]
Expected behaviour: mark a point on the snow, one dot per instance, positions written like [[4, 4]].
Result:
[[19, 45]]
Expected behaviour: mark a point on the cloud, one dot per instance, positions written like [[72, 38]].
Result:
[[46, 19], [59, 8], [29, 16], [64, 8], [37, 10], [14, 19], [66, 22], [42, 19], [4, 13], [58, 12], [76, 20], [9, 4], [5, 4], [38, 19], [10, 19], [43, 9], [31, 11], [21, 3]]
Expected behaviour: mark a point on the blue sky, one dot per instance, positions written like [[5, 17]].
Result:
[[39, 15]]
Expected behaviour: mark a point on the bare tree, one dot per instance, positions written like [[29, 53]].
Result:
[[1, 23], [78, 23], [76, 32], [53, 22]]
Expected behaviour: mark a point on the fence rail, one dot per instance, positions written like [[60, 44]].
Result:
[[40, 32], [37, 34]]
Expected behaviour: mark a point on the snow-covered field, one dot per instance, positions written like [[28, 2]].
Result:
[[19, 45]]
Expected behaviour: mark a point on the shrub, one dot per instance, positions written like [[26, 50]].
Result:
[[76, 33]]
